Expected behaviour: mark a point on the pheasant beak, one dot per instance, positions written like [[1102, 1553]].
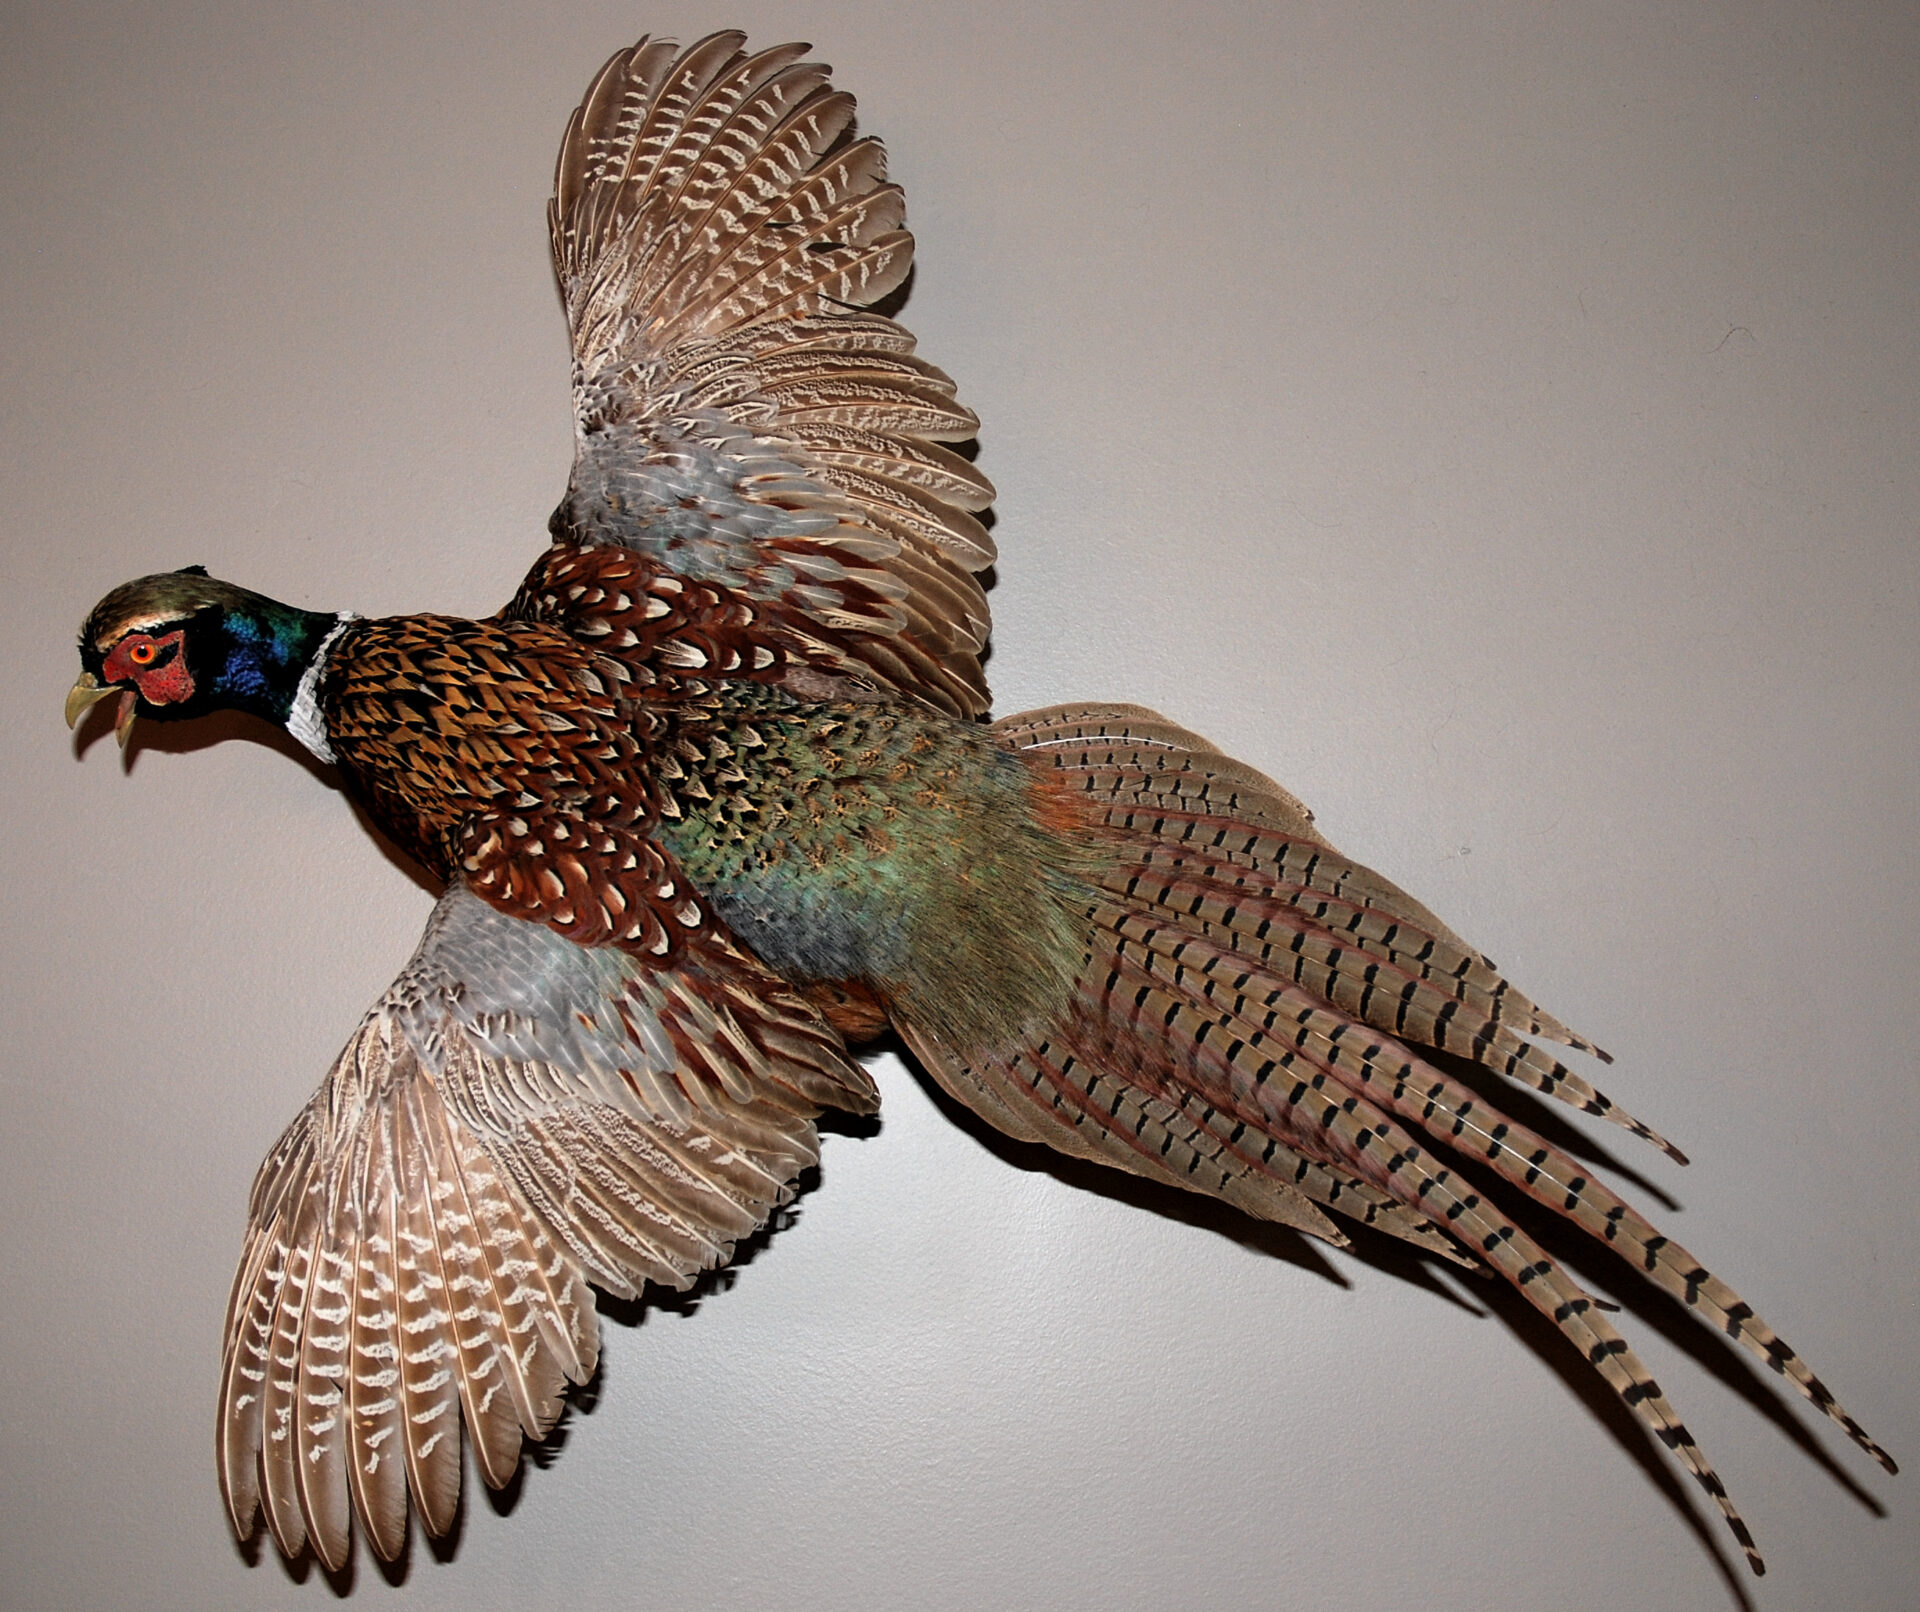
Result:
[[123, 721], [88, 691]]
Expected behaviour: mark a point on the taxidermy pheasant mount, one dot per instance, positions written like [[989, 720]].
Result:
[[712, 799]]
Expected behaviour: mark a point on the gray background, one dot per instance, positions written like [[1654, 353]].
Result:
[[1499, 427]]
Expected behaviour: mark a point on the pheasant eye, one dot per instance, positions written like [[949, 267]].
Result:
[[142, 654]]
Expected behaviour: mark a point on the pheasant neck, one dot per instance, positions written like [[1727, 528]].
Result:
[[267, 659]]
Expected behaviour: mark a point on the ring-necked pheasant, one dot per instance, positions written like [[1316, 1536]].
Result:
[[710, 800]]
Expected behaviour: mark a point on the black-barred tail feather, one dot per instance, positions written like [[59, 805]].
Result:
[[1243, 1025]]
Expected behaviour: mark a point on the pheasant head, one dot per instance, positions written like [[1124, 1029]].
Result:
[[180, 644]]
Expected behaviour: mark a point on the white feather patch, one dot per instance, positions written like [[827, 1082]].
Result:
[[304, 721]]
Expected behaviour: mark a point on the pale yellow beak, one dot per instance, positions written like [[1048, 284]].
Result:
[[88, 691]]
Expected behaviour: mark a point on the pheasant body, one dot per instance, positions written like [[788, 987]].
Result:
[[839, 840], [710, 801]]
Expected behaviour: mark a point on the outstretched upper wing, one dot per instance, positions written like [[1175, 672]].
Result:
[[717, 233], [517, 1117]]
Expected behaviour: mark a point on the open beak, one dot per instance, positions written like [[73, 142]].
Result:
[[88, 691]]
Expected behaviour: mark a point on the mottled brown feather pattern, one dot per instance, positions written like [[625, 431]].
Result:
[[437, 718]]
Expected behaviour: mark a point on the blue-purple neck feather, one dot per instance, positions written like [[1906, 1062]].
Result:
[[254, 657]]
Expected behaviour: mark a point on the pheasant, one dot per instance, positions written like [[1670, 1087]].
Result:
[[712, 801]]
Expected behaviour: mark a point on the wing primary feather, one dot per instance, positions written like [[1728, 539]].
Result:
[[375, 1395], [429, 1358], [248, 1354], [491, 1393], [321, 1417], [280, 1408]]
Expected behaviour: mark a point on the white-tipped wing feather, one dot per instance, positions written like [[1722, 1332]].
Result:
[[517, 1117]]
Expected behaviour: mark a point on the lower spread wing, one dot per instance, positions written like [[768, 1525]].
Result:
[[519, 1116]]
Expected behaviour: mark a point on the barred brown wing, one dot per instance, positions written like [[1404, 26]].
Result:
[[740, 414], [518, 1117]]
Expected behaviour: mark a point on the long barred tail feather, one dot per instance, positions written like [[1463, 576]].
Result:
[[1244, 1024]]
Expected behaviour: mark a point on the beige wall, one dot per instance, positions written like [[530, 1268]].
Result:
[[1500, 428]]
